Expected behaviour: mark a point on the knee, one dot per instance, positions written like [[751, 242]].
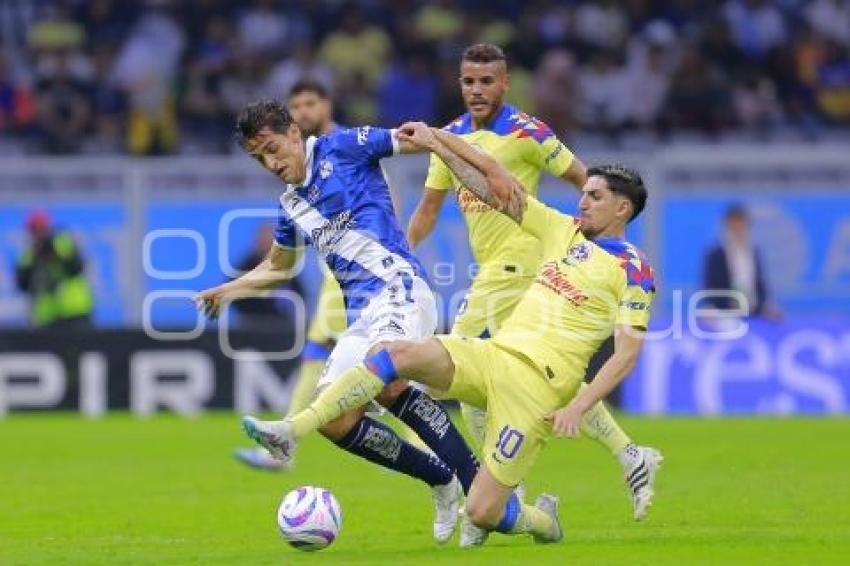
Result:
[[482, 513], [391, 392], [403, 354]]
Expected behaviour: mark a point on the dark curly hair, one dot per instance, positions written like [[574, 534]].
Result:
[[271, 114], [623, 181]]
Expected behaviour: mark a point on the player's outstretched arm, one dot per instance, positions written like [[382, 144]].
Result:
[[628, 341], [272, 271], [478, 172]]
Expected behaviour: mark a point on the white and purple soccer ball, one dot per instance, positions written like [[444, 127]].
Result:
[[309, 518]]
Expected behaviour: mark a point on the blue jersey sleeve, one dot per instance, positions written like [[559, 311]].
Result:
[[367, 143], [284, 232]]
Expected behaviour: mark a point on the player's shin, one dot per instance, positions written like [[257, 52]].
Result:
[[352, 390], [598, 424], [430, 421], [378, 443]]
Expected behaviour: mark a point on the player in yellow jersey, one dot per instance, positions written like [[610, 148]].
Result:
[[507, 256], [312, 110], [591, 283]]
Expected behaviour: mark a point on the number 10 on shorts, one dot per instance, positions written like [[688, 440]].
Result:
[[509, 442]]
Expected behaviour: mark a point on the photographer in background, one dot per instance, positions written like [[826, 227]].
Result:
[[50, 270]]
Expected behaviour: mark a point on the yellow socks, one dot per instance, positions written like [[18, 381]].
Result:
[[533, 521], [353, 389], [599, 424], [305, 387], [476, 424]]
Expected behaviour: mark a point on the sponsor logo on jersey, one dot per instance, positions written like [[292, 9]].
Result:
[[363, 134], [331, 232], [555, 153], [552, 277], [634, 305], [326, 168], [313, 194]]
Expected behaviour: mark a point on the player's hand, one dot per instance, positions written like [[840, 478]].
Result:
[[567, 421], [209, 302], [418, 134], [507, 191]]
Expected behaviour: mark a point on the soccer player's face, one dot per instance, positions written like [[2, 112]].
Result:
[[280, 153], [601, 210], [483, 87], [311, 112]]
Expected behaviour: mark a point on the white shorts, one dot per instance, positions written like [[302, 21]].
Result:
[[390, 315]]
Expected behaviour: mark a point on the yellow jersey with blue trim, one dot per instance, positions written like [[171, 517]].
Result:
[[583, 288], [526, 147]]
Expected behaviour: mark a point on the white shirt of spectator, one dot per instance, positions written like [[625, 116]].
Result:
[[742, 269]]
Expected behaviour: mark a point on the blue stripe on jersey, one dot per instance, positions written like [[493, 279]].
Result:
[[509, 119], [633, 261], [345, 211]]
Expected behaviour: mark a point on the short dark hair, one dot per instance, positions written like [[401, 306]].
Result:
[[271, 114], [308, 85], [738, 211], [483, 53], [623, 181]]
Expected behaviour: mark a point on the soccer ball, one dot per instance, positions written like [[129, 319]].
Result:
[[309, 518]]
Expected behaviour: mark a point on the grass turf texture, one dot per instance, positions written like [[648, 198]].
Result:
[[167, 491]]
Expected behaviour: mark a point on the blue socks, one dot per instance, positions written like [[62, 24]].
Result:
[[430, 421], [378, 443], [512, 511]]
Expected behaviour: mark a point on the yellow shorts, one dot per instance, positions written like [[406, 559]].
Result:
[[516, 397], [330, 318], [489, 301]]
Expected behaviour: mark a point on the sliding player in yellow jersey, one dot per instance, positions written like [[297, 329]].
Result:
[[507, 256], [312, 110], [591, 283]]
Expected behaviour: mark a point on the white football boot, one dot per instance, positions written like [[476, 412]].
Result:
[[274, 436], [470, 535], [549, 504], [640, 465], [446, 504]]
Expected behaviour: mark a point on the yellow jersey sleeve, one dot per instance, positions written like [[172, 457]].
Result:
[[439, 174], [553, 228], [550, 154], [636, 299]]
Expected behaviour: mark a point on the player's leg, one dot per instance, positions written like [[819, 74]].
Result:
[[640, 464], [494, 506]]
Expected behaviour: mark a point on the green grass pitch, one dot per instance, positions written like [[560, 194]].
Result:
[[166, 491]]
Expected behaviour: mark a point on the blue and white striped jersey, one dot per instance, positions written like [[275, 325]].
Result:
[[343, 209]]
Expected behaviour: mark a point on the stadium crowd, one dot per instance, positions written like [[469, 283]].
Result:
[[166, 76]]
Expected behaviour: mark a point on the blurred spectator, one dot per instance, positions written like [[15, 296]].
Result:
[[831, 19], [356, 52], [302, 65], [408, 91], [17, 103], [64, 110], [556, 91], [267, 314], [51, 271], [757, 25], [108, 104], [711, 68], [604, 96], [263, 27], [146, 69], [755, 101], [735, 265], [698, 98], [833, 79]]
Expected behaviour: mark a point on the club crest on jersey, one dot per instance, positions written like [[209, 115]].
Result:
[[363, 134], [313, 194], [326, 168], [580, 252]]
